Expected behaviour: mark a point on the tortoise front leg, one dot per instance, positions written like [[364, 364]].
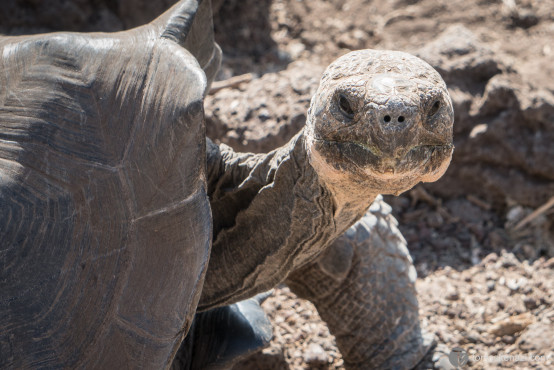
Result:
[[221, 337], [363, 286]]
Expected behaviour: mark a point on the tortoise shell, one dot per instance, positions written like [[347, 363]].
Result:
[[105, 226]]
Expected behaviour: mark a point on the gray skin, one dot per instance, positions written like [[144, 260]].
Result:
[[109, 209], [363, 286]]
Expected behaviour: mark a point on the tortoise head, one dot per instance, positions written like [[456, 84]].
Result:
[[380, 122]]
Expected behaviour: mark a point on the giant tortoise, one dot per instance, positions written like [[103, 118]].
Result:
[[120, 221]]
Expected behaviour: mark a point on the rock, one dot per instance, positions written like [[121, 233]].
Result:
[[514, 284], [523, 19], [458, 52], [490, 258], [530, 303], [516, 214], [315, 355], [352, 40], [510, 159], [452, 295], [537, 337], [511, 325], [472, 337], [296, 49], [508, 260]]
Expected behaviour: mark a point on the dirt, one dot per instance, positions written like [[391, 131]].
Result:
[[486, 274]]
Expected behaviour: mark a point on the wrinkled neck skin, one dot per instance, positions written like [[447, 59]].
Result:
[[348, 191], [271, 215]]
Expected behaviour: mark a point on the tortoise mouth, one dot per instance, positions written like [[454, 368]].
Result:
[[419, 160], [358, 157]]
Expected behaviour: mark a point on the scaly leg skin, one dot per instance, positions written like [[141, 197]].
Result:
[[363, 286]]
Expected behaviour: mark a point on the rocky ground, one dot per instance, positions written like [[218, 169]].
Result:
[[482, 237]]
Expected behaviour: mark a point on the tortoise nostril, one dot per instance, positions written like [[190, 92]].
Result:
[[387, 118], [401, 119]]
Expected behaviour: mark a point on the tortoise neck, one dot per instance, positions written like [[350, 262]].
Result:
[[271, 214], [349, 200]]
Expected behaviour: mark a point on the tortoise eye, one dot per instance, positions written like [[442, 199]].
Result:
[[435, 108], [345, 107]]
